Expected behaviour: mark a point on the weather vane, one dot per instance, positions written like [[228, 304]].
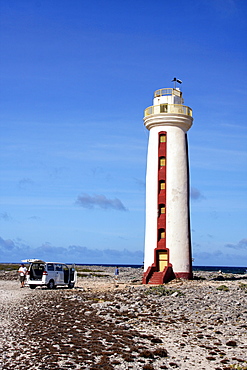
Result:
[[176, 80]]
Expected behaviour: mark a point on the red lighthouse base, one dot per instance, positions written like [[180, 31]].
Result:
[[154, 277], [161, 271]]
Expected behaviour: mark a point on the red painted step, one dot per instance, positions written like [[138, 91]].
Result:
[[156, 278]]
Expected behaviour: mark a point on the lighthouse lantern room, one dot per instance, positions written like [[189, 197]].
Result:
[[167, 236]]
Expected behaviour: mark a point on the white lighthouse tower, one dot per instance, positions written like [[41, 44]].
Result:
[[167, 238]]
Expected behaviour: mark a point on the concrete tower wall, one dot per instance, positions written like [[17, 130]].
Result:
[[177, 217], [177, 232], [151, 198], [173, 121]]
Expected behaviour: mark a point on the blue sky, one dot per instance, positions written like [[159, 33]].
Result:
[[76, 76]]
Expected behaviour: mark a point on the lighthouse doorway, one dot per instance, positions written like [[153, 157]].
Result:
[[163, 260]]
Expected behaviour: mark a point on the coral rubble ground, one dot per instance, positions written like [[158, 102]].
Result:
[[103, 324]]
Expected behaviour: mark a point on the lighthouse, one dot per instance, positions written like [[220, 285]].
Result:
[[167, 252]]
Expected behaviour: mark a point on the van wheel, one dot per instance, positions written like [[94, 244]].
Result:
[[32, 286], [71, 285], [51, 284]]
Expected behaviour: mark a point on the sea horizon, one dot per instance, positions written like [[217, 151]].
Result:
[[224, 269]]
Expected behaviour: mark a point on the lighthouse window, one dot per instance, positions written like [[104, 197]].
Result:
[[162, 138], [162, 161], [162, 185], [163, 108], [162, 209], [162, 234]]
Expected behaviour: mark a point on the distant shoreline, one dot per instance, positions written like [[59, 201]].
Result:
[[223, 269]]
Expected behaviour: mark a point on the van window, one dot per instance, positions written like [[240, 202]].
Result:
[[50, 267], [59, 268]]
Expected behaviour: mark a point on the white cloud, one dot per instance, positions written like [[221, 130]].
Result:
[[195, 194], [242, 244], [23, 183], [218, 257], [100, 201], [15, 251], [5, 216]]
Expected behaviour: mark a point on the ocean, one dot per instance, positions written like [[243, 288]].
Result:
[[224, 269]]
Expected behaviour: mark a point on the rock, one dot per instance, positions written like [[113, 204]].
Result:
[[111, 327]]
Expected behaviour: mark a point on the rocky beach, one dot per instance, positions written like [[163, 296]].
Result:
[[103, 324]]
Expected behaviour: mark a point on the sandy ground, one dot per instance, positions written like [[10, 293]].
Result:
[[126, 325]]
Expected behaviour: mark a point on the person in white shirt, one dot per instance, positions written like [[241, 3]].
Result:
[[22, 273]]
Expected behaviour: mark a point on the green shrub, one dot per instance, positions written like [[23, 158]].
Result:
[[243, 286], [161, 290], [86, 270], [199, 278], [237, 367], [9, 266], [80, 274], [223, 287]]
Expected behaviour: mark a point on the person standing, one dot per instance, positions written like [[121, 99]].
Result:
[[116, 273], [22, 273]]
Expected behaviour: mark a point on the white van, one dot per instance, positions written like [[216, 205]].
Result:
[[50, 274]]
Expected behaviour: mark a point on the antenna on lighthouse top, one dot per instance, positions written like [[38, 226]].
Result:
[[176, 80]]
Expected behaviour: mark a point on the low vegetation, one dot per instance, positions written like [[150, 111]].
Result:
[[243, 286], [81, 269], [161, 290], [199, 278], [9, 266], [80, 274], [223, 287], [237, 367]]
